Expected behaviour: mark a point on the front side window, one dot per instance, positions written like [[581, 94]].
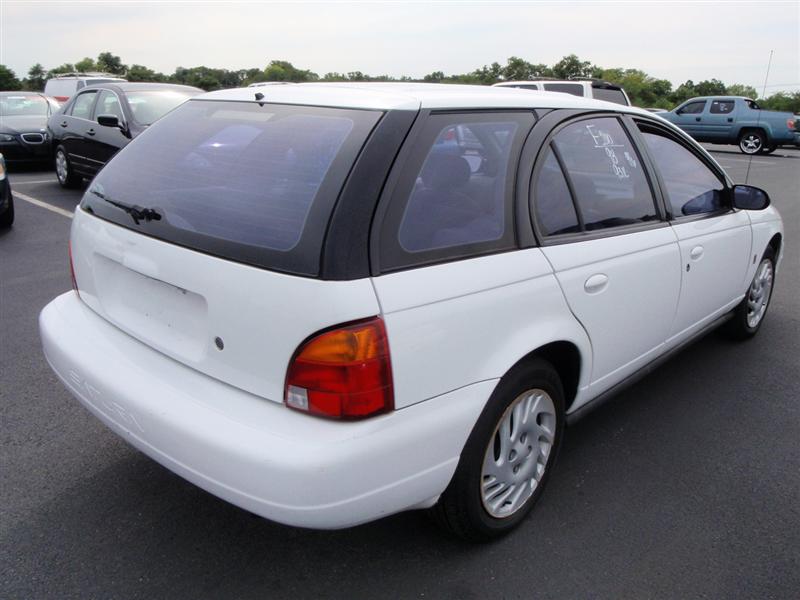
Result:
[[605, 173], [108, 104], [721, 107], [693, 108], [691, 187], [82, 108]]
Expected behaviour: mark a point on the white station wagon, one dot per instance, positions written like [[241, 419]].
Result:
[[328, 303]]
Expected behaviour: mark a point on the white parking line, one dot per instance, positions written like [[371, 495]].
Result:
[[17, 183], [45, 205]]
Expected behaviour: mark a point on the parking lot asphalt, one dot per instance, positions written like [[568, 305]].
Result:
[[687, 485]]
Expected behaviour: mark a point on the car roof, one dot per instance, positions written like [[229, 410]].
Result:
[[413, 96], [142, 86]]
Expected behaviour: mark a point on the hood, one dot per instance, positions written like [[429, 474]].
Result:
[[22, 124]]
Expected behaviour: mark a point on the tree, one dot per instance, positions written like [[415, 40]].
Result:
[[36, 78], [435, 77], [737, 89], [783, 101], [65, 68], [283, 70], [8, 79], [572, 66], [109, 63], [142, 73], [86, 65]]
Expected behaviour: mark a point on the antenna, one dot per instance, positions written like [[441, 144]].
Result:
[[758, 119]]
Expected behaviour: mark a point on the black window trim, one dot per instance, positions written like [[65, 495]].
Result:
[[568, 238], [679, 138], [386, 224], [678, 111], [119, 100]]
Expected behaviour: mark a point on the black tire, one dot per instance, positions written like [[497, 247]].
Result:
[[67, 178], [739, 327], [7, 217], [752, 141], [460, 509], [769, 150]]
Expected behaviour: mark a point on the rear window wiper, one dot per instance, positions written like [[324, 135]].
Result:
[[137, 213]]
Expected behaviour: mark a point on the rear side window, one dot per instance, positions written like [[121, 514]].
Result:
[[82, 108], [610, 95], [693, 108], [235, 179], [576, 89], [605, 174], [454, 192], [692, 188], [554, 204], [721, 107]]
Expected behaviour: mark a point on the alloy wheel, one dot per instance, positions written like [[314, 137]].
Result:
[[759, 293]]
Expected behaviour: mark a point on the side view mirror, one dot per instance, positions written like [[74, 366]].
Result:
[[109, 121], [748, 197]]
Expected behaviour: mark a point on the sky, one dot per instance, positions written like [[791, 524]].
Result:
[[676, 40]]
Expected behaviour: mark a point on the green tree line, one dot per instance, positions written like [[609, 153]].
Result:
[[643, 89]]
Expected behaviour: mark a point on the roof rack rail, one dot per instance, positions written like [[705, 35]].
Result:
[[86, 74], [595, 82]]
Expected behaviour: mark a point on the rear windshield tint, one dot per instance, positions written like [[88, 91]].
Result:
[[576, 89], [239, 180]]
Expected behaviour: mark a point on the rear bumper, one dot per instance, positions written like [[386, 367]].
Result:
[[253, 452]]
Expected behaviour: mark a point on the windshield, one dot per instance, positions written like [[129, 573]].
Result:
[[149, 106], [235, 179], [23, 105]]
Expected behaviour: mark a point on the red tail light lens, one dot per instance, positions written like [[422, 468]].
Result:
[[790, 124], [345, 373], [72, 269]]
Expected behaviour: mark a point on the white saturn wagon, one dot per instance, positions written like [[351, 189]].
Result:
[[327, 303]]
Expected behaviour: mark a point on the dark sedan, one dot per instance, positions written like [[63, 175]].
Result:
[[103, 118], [23, 126], [6, 200]]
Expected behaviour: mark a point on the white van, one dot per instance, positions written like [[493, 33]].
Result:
[[587, 88], [62, 87]]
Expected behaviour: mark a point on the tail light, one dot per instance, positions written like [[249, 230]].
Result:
[[790, 123], [344, 373], [72, 269]]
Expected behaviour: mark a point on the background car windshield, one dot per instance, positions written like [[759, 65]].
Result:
[[235, 178], [149, 106], [23, 105]]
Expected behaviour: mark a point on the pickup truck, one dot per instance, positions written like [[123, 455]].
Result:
[[736, 120]]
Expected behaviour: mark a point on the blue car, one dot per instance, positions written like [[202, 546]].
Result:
[[738, 121]]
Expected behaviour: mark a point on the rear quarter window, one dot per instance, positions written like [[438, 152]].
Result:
[[239, 180], [576, 89], [610, 95]]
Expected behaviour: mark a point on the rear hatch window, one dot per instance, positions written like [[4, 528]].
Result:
[[250, 182]]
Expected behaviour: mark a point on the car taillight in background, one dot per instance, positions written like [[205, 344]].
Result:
[[791, 124], [343, 373]]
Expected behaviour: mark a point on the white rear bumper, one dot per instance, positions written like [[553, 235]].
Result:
[[257, 454]]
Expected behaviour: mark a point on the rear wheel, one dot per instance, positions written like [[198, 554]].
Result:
[[751, 142], [66, 176], [507, 459], [748, 316]]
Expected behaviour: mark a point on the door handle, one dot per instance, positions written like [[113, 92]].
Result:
[[697, 118], [696, 252], [90, 131], [63, 123], [596, 283], [730, 119]]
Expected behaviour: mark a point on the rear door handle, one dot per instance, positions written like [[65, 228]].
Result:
[[90, 132], [697, 118], [63, 123], [596, 283], [730, 119], [696, 252]]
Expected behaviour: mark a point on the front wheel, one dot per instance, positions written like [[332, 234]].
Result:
[[508, 457], [769, 150], [66, 176], [748, 316], [751, 142]]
